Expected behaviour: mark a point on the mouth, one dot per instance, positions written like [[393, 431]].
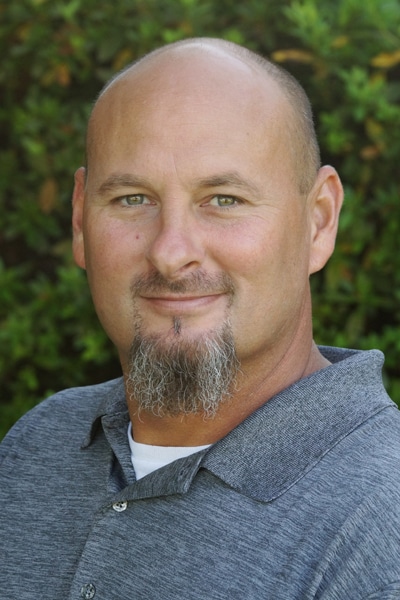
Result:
[[178, 304], [198, 295]]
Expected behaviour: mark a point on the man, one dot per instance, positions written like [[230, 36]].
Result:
[[235, 459]]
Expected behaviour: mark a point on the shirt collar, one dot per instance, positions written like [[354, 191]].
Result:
[[112, 408], [281, 441]]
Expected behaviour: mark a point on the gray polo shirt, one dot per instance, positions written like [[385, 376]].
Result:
[[300, 501]]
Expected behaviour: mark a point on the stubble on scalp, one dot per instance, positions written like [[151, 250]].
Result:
[[178, 374]]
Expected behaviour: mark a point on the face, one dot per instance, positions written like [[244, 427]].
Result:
[[190, 216]]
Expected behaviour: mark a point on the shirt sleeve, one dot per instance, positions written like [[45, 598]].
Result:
[[363, 561], [389, 592], [11, 438]]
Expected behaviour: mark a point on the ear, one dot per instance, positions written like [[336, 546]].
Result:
[[326, 200], [78, 199]]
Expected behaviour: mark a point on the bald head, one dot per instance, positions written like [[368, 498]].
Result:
[[219, 65]]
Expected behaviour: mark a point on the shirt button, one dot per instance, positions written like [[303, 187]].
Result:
[[88, 591], [120, 506]]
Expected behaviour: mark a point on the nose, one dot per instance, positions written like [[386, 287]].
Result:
[[176, 249]]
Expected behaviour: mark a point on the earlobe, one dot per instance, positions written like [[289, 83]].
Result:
[[326, 201], [78, 198]]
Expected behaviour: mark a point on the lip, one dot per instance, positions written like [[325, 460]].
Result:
[[178, 304]]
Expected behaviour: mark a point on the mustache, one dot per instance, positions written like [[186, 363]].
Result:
[[198, 282]]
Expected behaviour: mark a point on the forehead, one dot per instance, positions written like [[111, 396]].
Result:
[[189, 101], [189, 78]]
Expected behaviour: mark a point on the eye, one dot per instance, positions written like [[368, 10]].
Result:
[[223, 201], [133, 200]]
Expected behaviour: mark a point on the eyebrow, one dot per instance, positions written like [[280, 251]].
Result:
[[118, 180], [229, 178]]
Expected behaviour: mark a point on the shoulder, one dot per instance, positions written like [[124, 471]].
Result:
[[66, 414]]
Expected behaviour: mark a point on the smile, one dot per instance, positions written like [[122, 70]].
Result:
[[178, 304]]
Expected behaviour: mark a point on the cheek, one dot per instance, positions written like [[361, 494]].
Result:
[[249, 253], [113, 258], [112, 254], [268, 263]]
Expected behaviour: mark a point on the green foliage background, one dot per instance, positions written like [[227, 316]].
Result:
[[56, 56]]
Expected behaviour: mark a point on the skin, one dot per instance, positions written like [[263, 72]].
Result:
[[189, 171]]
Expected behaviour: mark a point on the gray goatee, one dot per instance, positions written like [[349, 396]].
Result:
[[183, 376], [176, 374]]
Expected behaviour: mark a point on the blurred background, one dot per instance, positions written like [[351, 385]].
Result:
[[57, 55]]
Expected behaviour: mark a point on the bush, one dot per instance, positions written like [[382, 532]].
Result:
[[57, 55]]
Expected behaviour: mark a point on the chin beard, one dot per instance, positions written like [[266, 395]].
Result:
[[182, 376]]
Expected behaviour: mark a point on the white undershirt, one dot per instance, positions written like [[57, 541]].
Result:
[[146, 458]]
